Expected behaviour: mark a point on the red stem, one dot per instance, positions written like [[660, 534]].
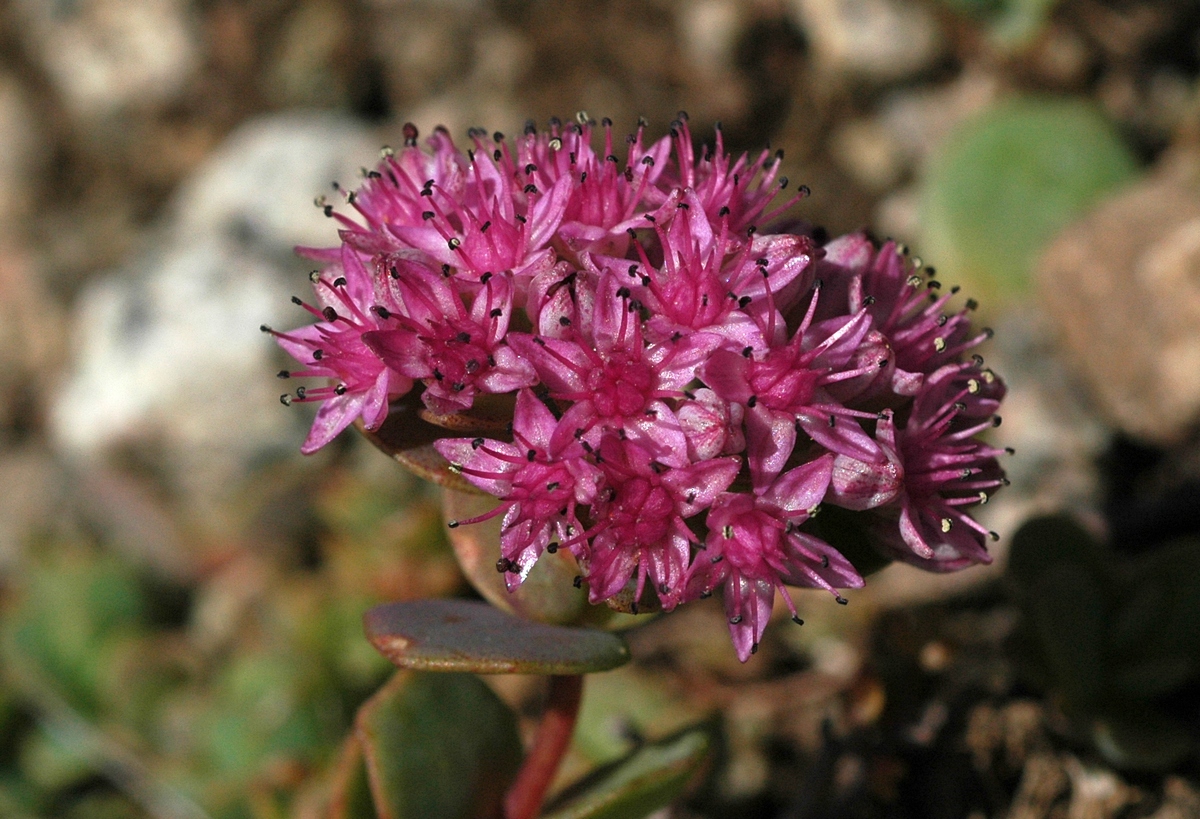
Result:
[[525, 797]]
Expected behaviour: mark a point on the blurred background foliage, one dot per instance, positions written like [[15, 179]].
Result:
[[181, 592]]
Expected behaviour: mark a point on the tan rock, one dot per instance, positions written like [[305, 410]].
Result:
[[1123, 286]]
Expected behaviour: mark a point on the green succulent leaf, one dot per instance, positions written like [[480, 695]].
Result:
[[1139, 738], [1051, 540], [437, 746], [1164, 584], [465, 635], [1069, 616], [1008, 180], [648, 779], [351, 798]]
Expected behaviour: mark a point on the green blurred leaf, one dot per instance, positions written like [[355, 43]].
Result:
[[1140, 738], [1154, 677], [438, 746], [1007, 180], [548, 594], [1051, 540], [464, 635], [648, 779], [1069, 615], [351, 798]]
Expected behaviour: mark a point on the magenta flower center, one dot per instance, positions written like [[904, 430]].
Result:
[[622, 387], [641, 513]]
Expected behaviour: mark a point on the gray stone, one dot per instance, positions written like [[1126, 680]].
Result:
[[1123, 288], [880, 40], [105, 56], [168, 355]]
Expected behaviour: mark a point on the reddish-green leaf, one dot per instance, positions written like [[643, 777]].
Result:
[[438, 746], [648, 779], [464, 635]]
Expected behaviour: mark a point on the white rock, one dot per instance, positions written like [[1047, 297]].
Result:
[[168, 352], [108, 55], [21, 157], [260, 184], [882, 40]]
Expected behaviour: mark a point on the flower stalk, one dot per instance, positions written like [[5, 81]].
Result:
[[528, 792]]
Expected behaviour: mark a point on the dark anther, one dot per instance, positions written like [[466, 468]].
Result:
[[724, 211], [996, 420], [743, 301], [530, 127], [623, 292], [552, 547], [396, 272], [563, 321], [869, 300], [496, 155], [783, 182], [633, 607], [484, 227], [340, 389], [675, 336], [285, 399], [496, 312], [972, 304], [330, 314], [735, 619], [531, 188], [497, 137], [747, 352], [318, 355], [832, 421], [486, 277], [583, 177], [530, 168], [841, 601], [754, 648], [752, 401], [681, 206], [301, 393], [284, 374], [296, 300], [382, 312], [796, 619], [454, 242], [464, 337], [503, 564], [327, 210], [340, 281], [410, 135], [804, 190], [531, 454], [750, 231], [445, 269], [458, 386], [578, 581], [437, 375], [475, 444]]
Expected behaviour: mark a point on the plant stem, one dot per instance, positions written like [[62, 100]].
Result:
[[525, 797]]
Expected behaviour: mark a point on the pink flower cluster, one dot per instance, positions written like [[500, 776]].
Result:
[[689, 389]]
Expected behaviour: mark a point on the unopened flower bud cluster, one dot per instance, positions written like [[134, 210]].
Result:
[[692, 381]]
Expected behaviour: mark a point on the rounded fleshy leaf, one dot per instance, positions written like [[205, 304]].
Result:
[[1141, 738], [465, 635], [438, 746], [547, 594], [1008, 180], [648, 779], [407, 436], [351, 792]]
